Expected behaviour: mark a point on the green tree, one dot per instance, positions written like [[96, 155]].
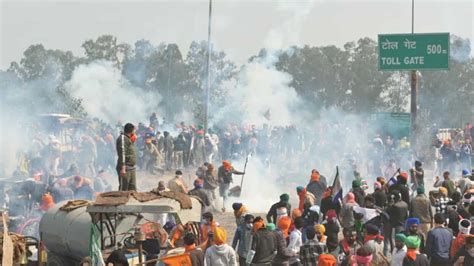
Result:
[[106, 47]]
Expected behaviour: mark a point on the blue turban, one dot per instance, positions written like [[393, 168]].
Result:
[[412, 221]]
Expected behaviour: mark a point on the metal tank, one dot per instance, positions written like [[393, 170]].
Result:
[[66, 233]]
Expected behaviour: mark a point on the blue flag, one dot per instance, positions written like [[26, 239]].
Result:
[[337, 188]]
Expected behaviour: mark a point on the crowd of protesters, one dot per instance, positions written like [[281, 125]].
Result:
[[401, 222]]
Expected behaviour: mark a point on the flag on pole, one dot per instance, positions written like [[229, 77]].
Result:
[[94, 248], [369, 214], [337, 188], [393, 180]]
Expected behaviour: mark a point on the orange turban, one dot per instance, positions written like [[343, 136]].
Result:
[[327, 260], [257, 225], [47, 202], [296, 213], [284, 225], [227, 165]]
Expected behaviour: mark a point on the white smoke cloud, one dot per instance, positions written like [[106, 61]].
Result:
[[107, 95], [262, 93]]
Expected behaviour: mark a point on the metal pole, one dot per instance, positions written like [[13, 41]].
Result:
[[208, 83], [414, 92]]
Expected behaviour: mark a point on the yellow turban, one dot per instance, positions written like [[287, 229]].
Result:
[[443, 190], [319, 228], [220, 236]]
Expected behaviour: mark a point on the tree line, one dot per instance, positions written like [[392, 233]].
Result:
[[323, 76]]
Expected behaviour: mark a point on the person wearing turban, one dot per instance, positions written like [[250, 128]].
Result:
[[263, 244], [306, 199], [412, 229], [414, 257], [243, 238], [459, 241], [358, 191], [224, 176], [363, 257], [327, 260], [332, 223], [272, 215], [309, 252], [446, 183], [400, 250], [465, 254], [317, 185], [239, 212], [200, 192], [374, 242], [320, 233], [220, 253], [441, 203], [347, 210], [379, 195], [47, 202], [281, 234]]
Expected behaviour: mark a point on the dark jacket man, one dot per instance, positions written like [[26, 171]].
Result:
[[127, 159]]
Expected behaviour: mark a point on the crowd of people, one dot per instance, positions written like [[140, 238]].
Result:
[[391, 226], [401, 222]]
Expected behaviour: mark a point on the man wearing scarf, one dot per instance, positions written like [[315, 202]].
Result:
[[317, 185], [220, 254], [413, 257], [263, 244], [400, 251], [283, 203], [363, 257], [411, 229], [127, 158], [374, 242], [224, 176], [284, 254], [348, 246], [242, 242]]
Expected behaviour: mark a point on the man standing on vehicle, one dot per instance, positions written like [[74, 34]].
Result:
[[127, 158]]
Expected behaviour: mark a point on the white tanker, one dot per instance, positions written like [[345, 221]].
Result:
[[66, 234]]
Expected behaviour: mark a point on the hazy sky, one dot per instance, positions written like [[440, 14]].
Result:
[[241, 28]]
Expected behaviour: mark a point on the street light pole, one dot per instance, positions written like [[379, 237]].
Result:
[[208, 82], [414, 88]]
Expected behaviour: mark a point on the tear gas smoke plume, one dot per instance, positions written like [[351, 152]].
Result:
[[106, 94]]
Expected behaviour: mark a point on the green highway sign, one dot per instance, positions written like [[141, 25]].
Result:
[[413, 51]]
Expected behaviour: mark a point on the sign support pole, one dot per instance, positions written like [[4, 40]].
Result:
[[414, 89]]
